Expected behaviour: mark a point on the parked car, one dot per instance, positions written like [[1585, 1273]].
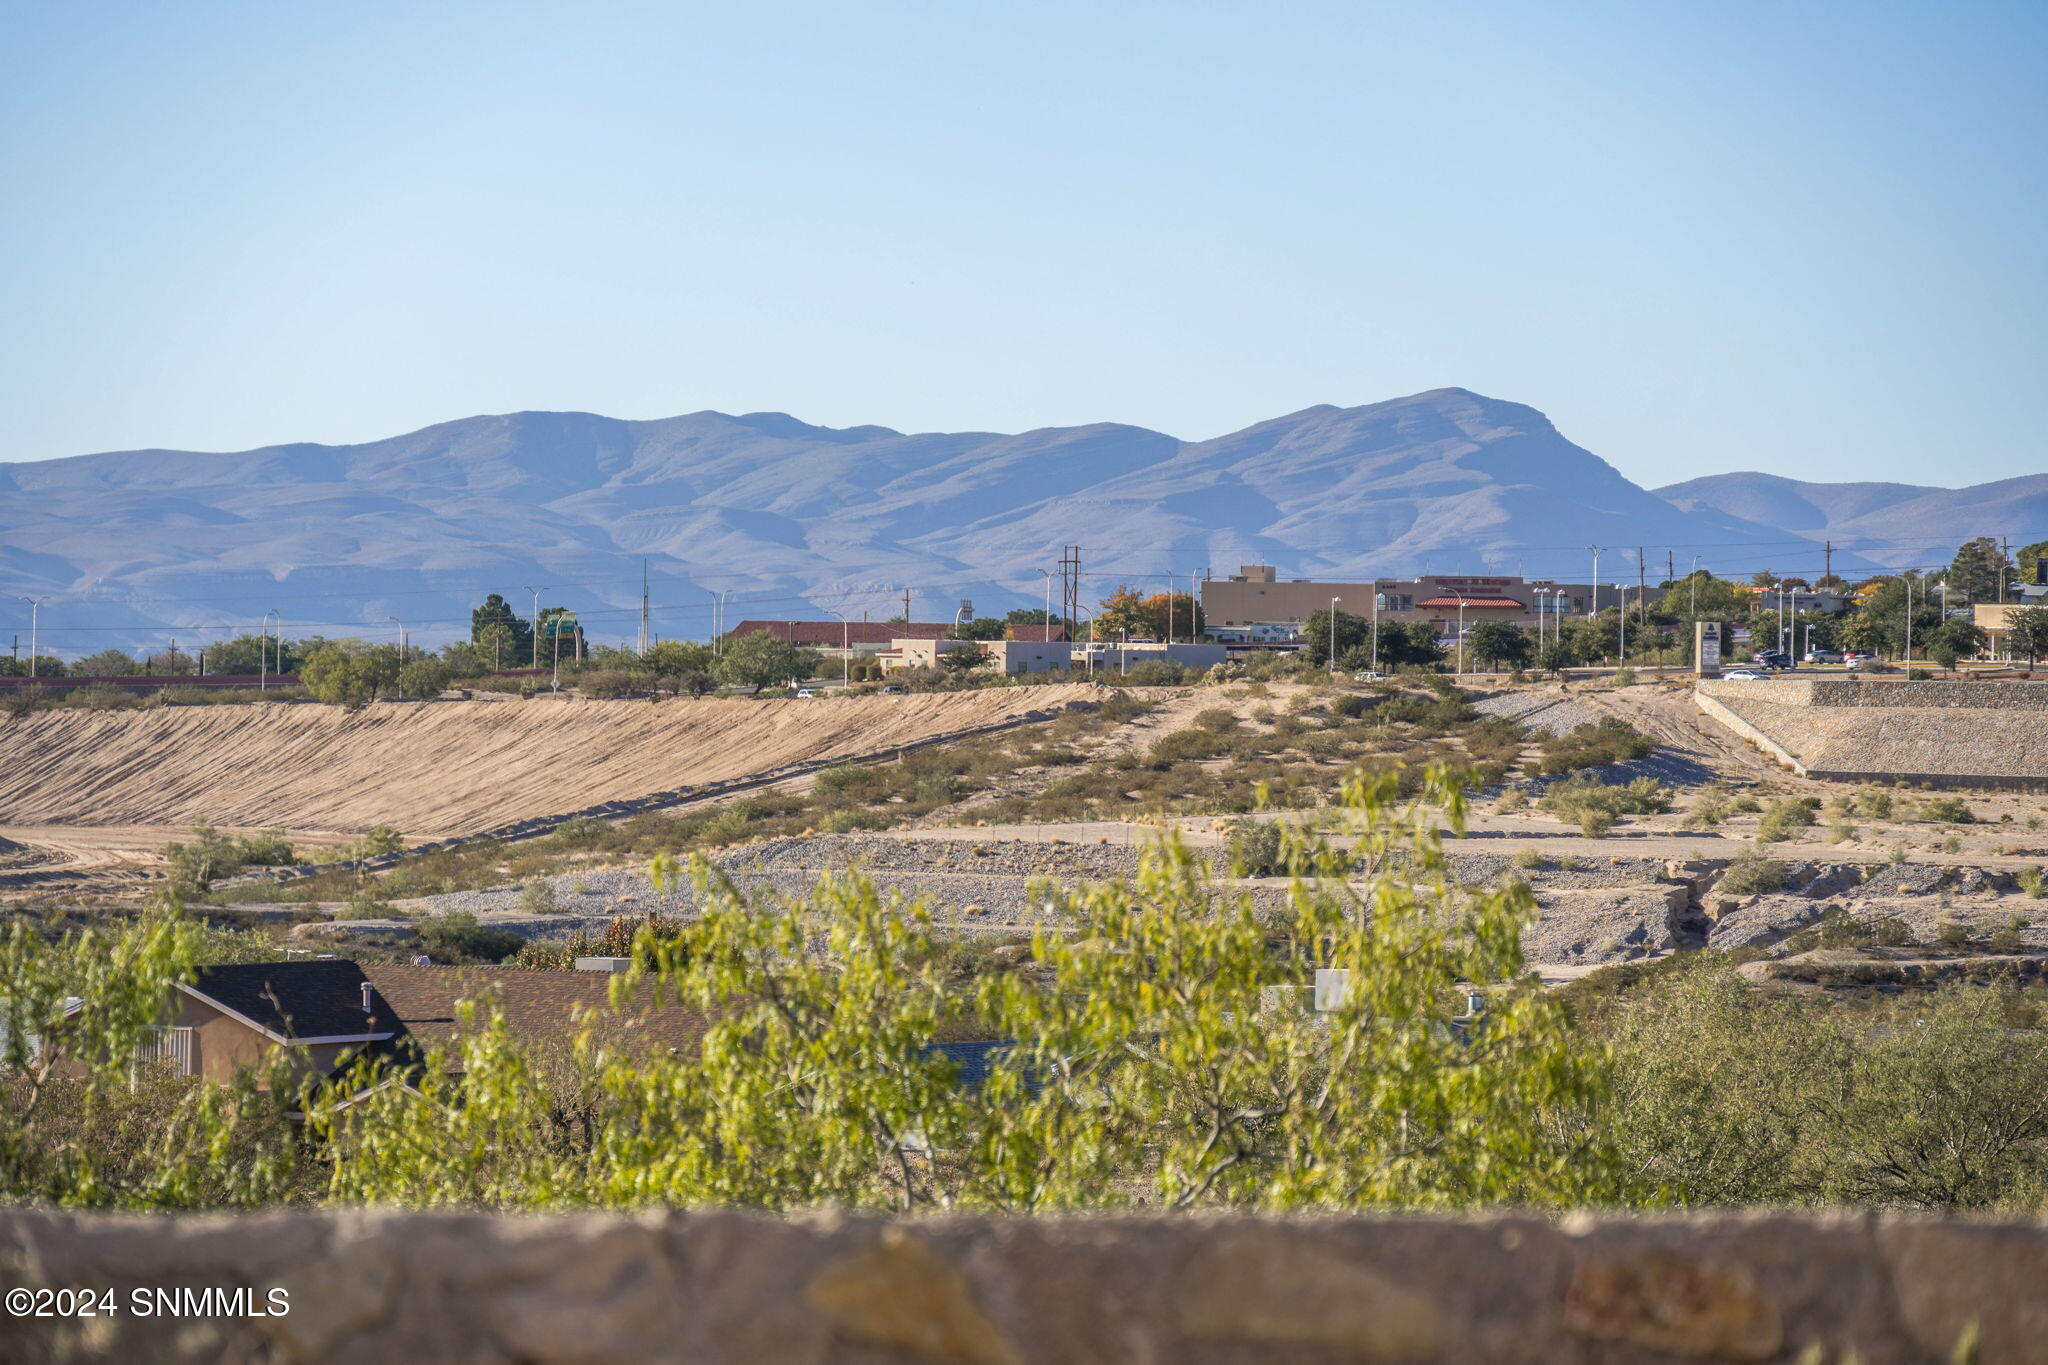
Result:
[[892, 690], [1746, 675], [1771, 658], [803, 692], [1821, 656]]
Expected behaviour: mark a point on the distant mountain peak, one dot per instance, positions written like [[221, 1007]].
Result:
[[134, 546]]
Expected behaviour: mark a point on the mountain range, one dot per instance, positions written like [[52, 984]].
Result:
[[791, 519]]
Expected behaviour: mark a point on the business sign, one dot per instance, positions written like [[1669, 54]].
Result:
[[1706, 650]]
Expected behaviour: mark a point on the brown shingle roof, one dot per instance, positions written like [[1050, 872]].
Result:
[[538, 1003]]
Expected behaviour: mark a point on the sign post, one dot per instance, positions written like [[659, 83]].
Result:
[[1706, 648]]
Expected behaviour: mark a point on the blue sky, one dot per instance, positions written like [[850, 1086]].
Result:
[[1802, 238]]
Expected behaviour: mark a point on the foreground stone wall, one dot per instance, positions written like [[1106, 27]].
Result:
[[389, 1287]]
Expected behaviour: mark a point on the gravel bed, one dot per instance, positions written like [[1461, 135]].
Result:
[[1540, 712], [1580, 929]]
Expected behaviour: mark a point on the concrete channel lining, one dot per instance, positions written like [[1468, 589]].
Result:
[[1940, 733]]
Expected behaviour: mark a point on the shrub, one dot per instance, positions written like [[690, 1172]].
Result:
[[455, 936], [1157, 673], [937, 789], [1257, 848], [1784, 818], [1596, 805], [1528, 859], [1750, 875], [2032, 881], [1624, 676], [1953, 934], [101, 697], [846, 821], [1511, 800], [537, 897], [2008, 939], [1891, 932], [1947, 810], [1610, 741], [610, 683], [1875, 803], [1216, 720]]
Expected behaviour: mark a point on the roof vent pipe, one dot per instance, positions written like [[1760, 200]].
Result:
[[366, 997]]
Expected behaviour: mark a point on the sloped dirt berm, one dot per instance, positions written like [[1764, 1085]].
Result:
[[437, 769]]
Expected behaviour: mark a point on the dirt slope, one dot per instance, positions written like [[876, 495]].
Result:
[[440, 768]]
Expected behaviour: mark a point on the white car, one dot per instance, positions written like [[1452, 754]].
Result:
[[805, 692], [1745, 675]]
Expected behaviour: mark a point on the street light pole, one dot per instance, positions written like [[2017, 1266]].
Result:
[[262, 653], [536, 622], [845, 651], [1623, 588], [35, 606], [1593, 609], [1333, 635], [1461, 637], [1375, 626]]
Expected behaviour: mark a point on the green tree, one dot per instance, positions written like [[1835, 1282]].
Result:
[[498, 647], [85, 1121], [1122, 614], [172, 663], [108, 663], [980, 628], [965, 660], [1556, 654], [1352, 632], [349, 672], [1979, 571], [424, 678], [501, 633], [2029, 558], [1499, 642], [1409, 642], [243, 654], [759, 659], [671, 659], [2027, 632]]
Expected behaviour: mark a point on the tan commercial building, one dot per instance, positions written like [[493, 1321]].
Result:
[[1254, 604], [1004, 656]]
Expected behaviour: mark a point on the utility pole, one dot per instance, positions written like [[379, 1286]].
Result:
[[1642, 593], [1670, 567], [536, 622], [2004, 558], [643, 607], [906, 606], [1070, 583], [1593, 608], [1828, 562]]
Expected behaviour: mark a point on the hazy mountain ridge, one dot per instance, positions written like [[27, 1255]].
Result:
[[800, 519], [1893, 524]]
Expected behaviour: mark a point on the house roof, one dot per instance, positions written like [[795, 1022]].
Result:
[[1473, 602], [537, 1002], [832, 634], [307, 1001]]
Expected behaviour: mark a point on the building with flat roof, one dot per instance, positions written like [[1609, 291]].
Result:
[[858, 637]]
